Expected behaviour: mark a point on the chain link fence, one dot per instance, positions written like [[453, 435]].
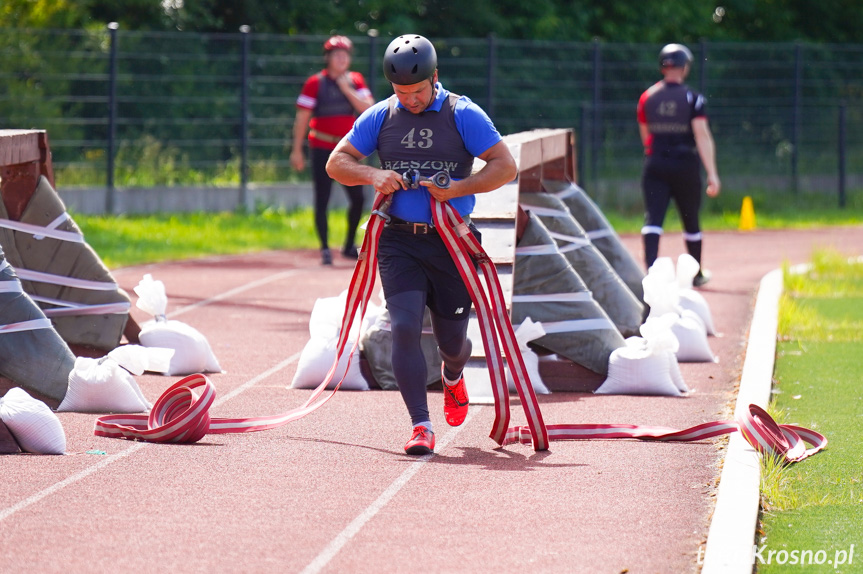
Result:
[[154, 109]]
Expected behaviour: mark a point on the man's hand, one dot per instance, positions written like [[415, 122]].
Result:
[[298, 160], [713, 186], [441, 194], [387, 181], [344, 82]]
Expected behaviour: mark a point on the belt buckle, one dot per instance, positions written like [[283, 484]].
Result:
[[423, 226]]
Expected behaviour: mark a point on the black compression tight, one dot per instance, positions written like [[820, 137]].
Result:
[[323, 188], [406, 311]]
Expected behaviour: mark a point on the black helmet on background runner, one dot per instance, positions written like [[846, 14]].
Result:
[[409, 59], [674, 56]]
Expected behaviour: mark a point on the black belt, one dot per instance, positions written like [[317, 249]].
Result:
[[411, 227]]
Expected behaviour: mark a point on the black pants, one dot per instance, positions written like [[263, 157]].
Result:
[[417, 272], [323, 188], [665, 179]]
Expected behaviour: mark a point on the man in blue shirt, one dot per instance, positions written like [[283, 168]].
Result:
[[426, 128]]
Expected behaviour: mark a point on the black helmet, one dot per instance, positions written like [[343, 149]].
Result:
[[409, 59], [674, 56]]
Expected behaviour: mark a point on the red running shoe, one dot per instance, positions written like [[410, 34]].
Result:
[[422, 441], [455, 401]]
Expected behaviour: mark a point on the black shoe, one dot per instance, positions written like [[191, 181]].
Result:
[[351, 252], [326, 257], [702, 278]]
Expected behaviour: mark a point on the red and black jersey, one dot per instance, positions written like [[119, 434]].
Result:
[[668, 110], [332, 113]]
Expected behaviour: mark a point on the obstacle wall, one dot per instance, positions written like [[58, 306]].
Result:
[[540, 276]]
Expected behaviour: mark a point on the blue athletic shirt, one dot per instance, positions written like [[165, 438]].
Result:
[[477, 132]]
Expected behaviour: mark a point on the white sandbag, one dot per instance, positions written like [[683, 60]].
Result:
[[687, 269], [137, 359], [192, 352], [320, 352], [634, 369], [31, 422], [676, 375], [316, 360], [106, 386], [692, 336], [647, 365], [694, 301], [661, 291], [328, 312], [525, 333]]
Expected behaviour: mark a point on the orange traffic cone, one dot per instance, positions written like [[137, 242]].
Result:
[[747, 215]]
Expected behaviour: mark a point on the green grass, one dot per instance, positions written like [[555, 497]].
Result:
[[815, 505], [136, 239], [772, 211], [133, 239]]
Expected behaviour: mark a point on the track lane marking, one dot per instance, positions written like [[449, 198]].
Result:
[[342, 538], [235, 291], [42, 494]]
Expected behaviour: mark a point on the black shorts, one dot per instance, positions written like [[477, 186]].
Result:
[[409, 262]]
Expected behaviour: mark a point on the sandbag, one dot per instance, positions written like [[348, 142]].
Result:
[[600, 232], [608, 289], [662, 294], [547, 289], [316, 360], [35, 428], [32, 354], [192, 352], [62, 273], [376, 344], [687, 269], [647, 365], [692, 334], [525, 333], [635, 370], [106, 385], [319, 353]]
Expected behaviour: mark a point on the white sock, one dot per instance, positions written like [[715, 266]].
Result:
[[448, 381], [426, 424]]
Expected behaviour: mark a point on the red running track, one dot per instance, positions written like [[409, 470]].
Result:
[[334, 492]]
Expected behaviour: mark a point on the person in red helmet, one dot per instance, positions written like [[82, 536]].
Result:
[[672, 121], [326, 108]]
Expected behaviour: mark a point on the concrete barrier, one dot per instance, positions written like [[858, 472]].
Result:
[[91, 201]]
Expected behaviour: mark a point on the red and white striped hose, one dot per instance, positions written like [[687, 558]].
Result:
[[181, 414]]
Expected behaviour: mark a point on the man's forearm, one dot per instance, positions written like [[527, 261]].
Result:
[[347, 170], [494, 174]]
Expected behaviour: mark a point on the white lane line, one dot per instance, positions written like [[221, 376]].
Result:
[[235, 291], [34, 498], [351, 530], [255, 380]]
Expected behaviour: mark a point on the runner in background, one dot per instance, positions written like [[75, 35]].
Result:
[[423, 126], [674, 131], [328, 104]]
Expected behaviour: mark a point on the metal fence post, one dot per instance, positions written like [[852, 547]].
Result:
[[798, 97], [112, 117], [581, 147], [245, 37], [492, 62], [842, 155], [597, 114], [373, 62]]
